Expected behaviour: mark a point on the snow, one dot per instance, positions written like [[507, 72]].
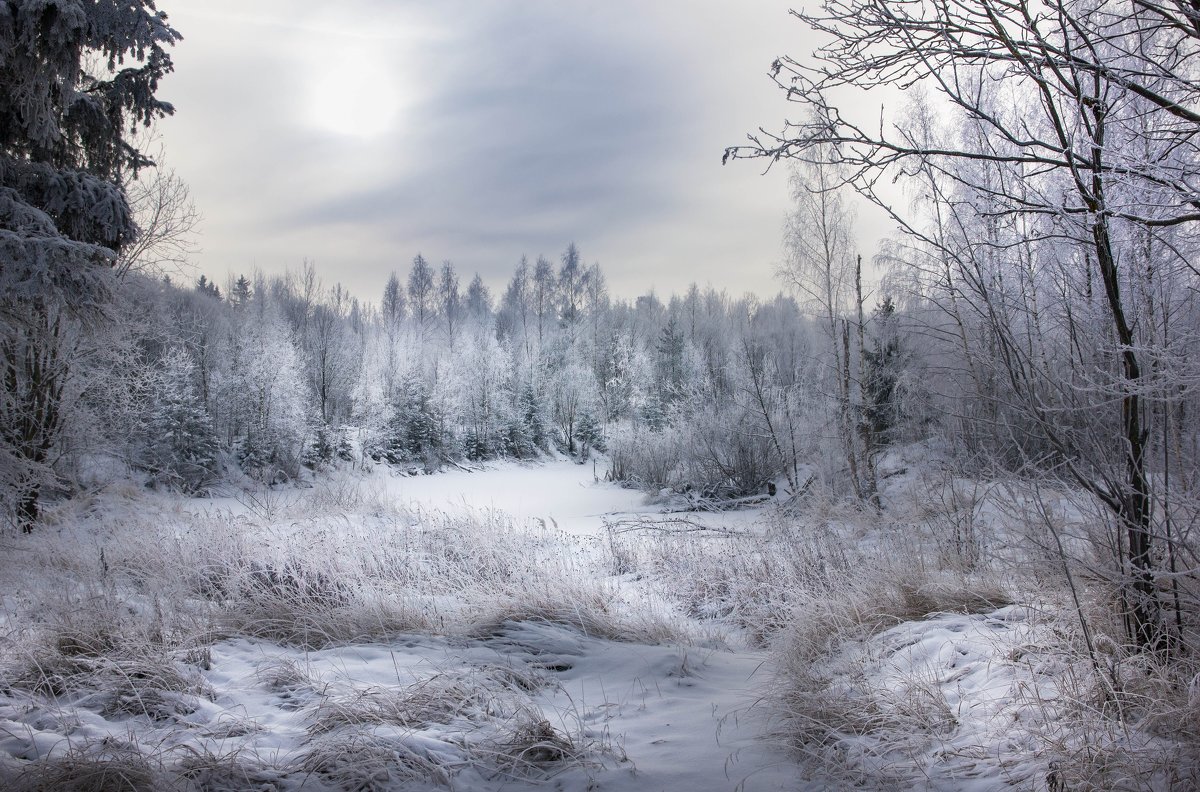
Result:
[[572, 497], [655, 717], [959, 701], [638, 717], [958, 669]]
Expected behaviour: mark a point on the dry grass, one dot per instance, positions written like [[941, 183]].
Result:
[[1134, 725], [146, 591], [444, 698], [810, 578], [203, 771], [118, 675], [97, 767], [483, 717], [529, 747], [364, 762], [123, 607]]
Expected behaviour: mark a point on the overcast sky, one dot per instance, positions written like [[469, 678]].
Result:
[[359, 133]]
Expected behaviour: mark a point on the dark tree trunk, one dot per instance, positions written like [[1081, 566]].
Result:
[[33, 374], [1133, 505], [27, 509]]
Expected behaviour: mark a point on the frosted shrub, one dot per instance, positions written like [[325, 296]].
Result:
[[644, 458], [728, 454]]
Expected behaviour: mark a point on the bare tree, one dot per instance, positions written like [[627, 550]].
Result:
[[449, 301], [1079, 124], [820, 269], [420, 291], [167, 221]]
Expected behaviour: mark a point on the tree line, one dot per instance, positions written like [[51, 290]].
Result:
[[273, 375]]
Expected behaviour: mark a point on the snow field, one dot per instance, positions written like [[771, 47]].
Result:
[[356, 636]]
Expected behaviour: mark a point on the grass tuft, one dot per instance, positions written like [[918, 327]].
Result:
[[97, 767], [365, 762]]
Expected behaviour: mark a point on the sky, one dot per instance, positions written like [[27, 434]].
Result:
[[356, 134]]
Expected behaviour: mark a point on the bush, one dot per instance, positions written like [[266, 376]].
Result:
[[646, 459], [729, 455]]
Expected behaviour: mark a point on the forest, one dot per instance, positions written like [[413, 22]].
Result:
[[275, 378], [941, 497]]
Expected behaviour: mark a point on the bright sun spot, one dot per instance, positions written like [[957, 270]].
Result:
[[356, 94]]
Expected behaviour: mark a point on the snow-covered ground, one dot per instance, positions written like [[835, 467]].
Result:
[[618, 716], [518, 626]]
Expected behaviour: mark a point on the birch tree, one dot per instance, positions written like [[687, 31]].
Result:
[[1079, 127]]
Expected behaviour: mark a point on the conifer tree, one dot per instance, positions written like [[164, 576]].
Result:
[[181, 446], [75, 78]]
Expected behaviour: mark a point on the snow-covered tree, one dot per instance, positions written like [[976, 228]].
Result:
[[262, 393], [480, 373], [449, 301], [181, 448], [75, 78], [1058, 148], [420, 292], [478, 302]]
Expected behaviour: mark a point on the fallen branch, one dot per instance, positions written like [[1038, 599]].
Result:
[[671, 525], [702, 504]]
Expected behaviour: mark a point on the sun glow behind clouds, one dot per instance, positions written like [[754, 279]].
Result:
[[356, 93]]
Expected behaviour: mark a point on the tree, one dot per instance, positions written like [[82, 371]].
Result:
[[240, 292], [513, 316], [820, 267], [167, 220], [392, 306], [572, 283], [75, 78], [883, 366], [542, 297], [263, 391], [590, 434], [1077, 130], [573, 388], [392, 313], [670, 371], [332, 359], [449, 301], [181, 448], [208, 288], [420, 291], [478, 373], [478, 301]]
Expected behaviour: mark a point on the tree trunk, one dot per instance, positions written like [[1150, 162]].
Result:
[[1133, 505], [27, 509], [33, 375], [847, 419]]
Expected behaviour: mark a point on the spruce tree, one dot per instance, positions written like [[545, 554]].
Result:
[[76, 78], [181, 449]]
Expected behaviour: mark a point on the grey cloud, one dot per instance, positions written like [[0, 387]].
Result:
[[525, 125], [532, 120]]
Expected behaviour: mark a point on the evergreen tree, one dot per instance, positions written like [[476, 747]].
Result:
[[881, 408], [75, 79], [181, 447], [589, 433], [241, 292], [670, 361]]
